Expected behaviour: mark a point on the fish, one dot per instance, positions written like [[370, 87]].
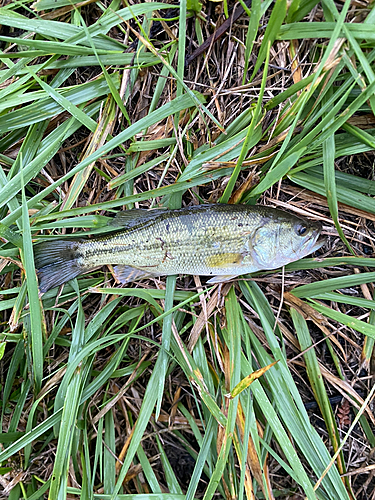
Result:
[[217, 240]]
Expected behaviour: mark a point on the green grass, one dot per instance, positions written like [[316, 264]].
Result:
[[100, 383]]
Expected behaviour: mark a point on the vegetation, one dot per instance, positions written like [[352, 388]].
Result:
[[167, 389]]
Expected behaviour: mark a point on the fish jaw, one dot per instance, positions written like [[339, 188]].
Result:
[[319, 242], [314, 243]]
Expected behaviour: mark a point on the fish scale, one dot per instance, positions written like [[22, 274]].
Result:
[[221, 241]]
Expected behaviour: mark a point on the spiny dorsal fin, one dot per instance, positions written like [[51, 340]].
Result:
[[130, 218]]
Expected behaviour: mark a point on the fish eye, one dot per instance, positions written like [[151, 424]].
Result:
[[301, 229]]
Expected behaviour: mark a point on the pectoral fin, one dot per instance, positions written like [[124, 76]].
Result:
[[221, 279], [127, 274]]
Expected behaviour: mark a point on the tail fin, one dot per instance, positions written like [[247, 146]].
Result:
[[56, 262]]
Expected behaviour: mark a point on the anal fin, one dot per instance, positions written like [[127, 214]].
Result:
[[221, 279], [127, 274]]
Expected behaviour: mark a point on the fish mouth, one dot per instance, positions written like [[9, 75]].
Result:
[[317, 241]]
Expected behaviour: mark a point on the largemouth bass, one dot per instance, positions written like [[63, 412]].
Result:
[[221, 241]]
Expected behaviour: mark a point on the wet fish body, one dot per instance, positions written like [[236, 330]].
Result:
[[221, 241]]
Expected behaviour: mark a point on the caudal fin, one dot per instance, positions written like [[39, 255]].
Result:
[[56, 263]]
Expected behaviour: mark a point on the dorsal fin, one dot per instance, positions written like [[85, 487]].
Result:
[[130, 218]]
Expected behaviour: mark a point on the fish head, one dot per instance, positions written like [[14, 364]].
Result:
[[285, 239]]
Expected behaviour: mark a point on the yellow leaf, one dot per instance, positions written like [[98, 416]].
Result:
[[245, 382]]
